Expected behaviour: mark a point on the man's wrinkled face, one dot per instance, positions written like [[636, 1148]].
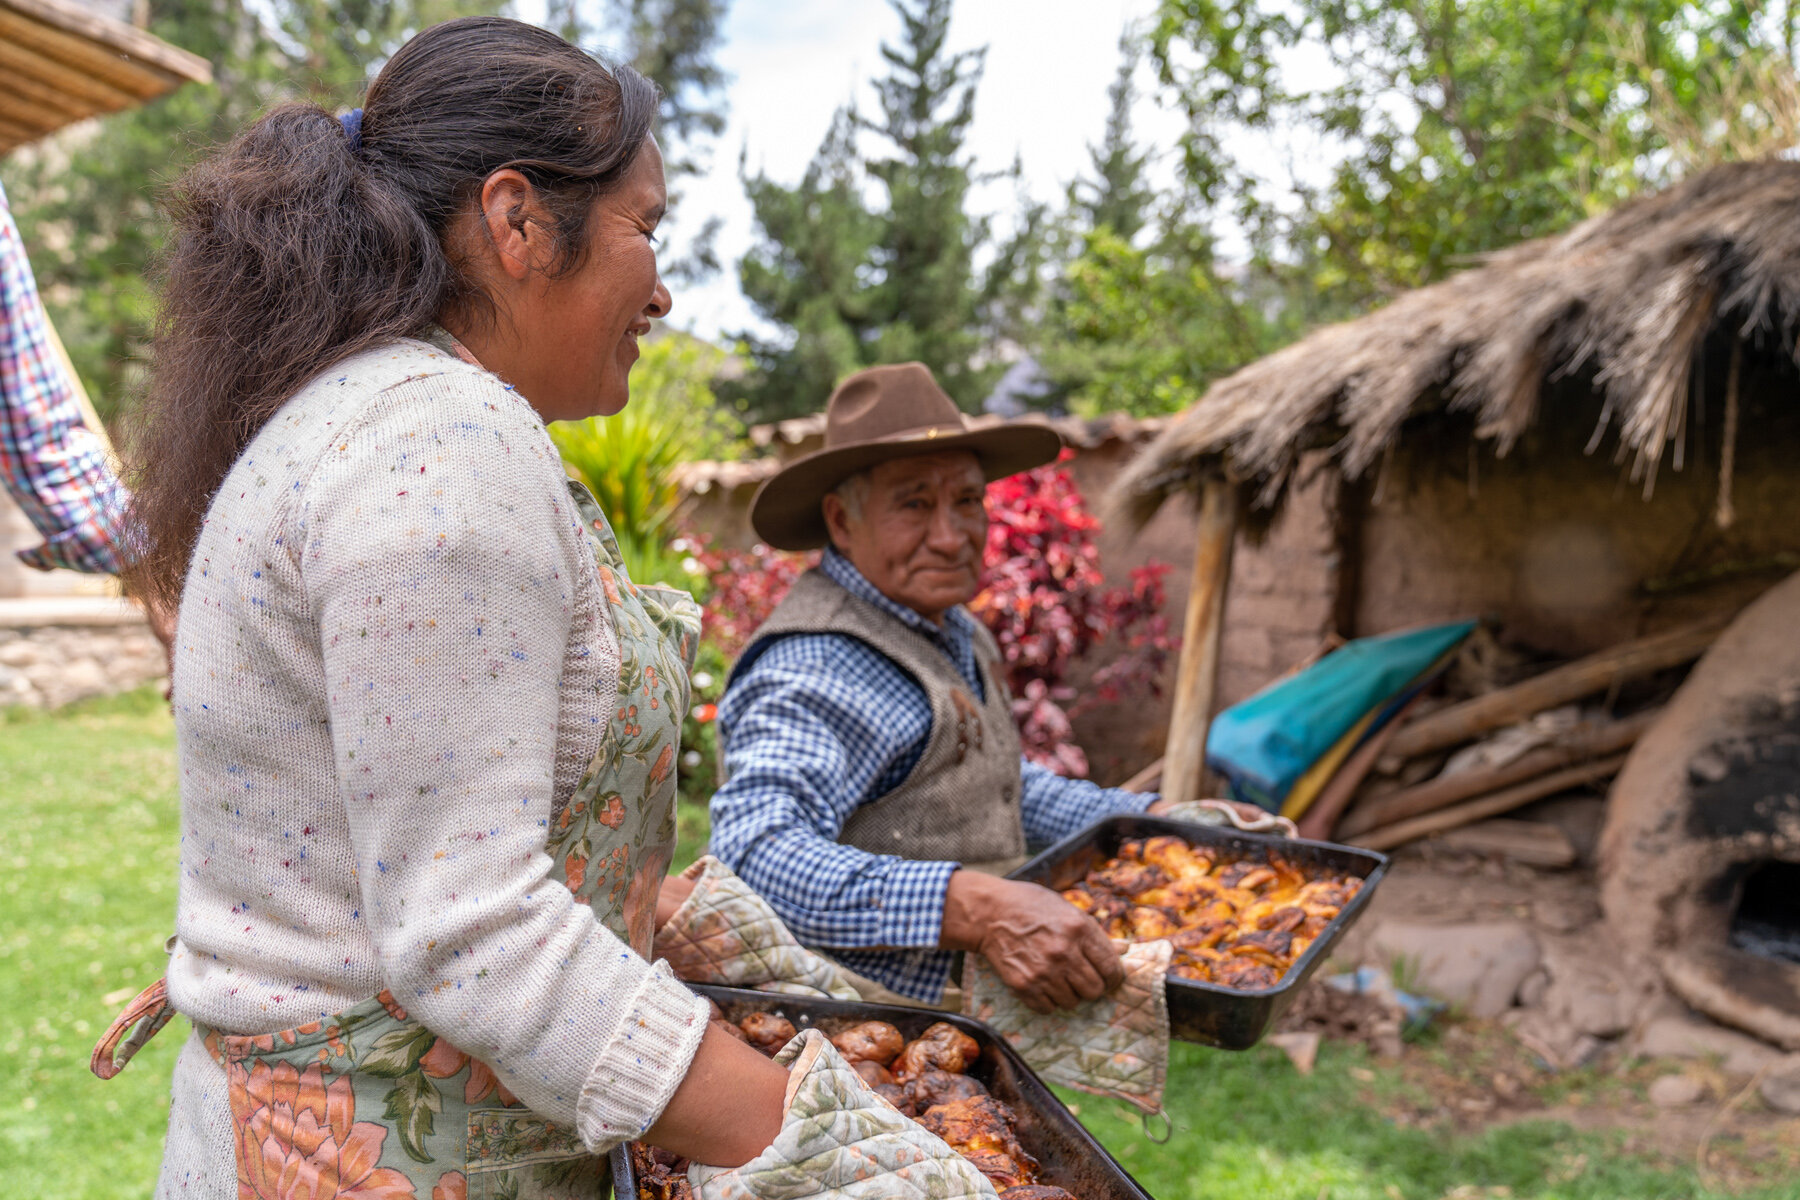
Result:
[[921, 532]]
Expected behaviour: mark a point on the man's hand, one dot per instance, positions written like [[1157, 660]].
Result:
[[1044, 948]]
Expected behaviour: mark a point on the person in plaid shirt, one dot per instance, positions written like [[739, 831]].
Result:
[[876, 786], [55, 467]]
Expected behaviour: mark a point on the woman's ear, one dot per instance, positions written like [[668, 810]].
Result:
[[515, 224]]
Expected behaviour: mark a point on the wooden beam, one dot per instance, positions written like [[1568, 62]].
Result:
[[1588, 740], [115, 36], [1402, 832], [1529, 842], [1196, 683], [31, 115], [1583, 677], [72, 107], [17, 61]]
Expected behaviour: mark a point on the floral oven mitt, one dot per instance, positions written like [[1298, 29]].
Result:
[[838, 1138], [724, 933], [1117, 1045]]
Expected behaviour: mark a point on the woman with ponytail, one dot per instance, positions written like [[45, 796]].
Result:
[[424, 720]]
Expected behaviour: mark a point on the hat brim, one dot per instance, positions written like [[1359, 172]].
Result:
[[787, 512]]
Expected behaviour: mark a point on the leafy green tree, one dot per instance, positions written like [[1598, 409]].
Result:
[[872, 258], [1140, 315], [1464, 125]]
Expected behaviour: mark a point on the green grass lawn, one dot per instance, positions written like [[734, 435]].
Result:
[[88, 838]]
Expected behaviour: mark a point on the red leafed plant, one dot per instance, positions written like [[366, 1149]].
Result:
[[1048, 606], [1045, 602], [744, 588]]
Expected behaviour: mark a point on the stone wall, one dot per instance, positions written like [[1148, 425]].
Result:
[[55, 651]]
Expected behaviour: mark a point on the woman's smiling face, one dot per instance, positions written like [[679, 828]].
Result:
[[598, 312], [568, 340]]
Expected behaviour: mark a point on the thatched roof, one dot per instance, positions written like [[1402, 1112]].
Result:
[[1626, 299], [61, 63]]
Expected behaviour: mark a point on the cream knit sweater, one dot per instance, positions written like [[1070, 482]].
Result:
[[393, 663]]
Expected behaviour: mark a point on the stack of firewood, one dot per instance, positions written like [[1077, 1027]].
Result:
[[1387, 793]]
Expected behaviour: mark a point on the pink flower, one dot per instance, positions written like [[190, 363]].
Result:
[[299, 1139]]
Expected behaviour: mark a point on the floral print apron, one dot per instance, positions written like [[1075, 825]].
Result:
[[368, 1104]]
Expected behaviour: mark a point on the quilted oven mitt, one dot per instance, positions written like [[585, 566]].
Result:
[[1116, 1046], [839, 1138], [1218, 812], [725, 933]]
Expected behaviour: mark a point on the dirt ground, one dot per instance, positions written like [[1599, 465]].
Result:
[[1467, 1074]]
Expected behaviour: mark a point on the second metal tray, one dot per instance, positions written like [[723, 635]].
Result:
[[1069, 1156], [1209, 1013]]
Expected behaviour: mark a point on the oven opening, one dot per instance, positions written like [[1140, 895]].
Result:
[[1767, 921]]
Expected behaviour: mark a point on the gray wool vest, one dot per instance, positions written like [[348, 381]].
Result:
[[961, 801]]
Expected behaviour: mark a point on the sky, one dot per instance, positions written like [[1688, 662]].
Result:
[[793, 63]]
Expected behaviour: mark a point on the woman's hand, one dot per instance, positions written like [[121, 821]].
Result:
[[673, 894], [728, 1108]]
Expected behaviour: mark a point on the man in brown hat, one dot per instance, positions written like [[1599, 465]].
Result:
[[876, 786]]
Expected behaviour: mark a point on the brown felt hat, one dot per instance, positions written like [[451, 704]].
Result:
[[876, 415]]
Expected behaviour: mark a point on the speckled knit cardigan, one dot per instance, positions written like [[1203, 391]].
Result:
[[393, 660]]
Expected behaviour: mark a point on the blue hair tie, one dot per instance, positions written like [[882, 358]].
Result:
[[352, 123]]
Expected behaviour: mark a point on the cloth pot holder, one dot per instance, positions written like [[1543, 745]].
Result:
[[838, 1138], [1218, 812], [724, 933], [1115, 1046]]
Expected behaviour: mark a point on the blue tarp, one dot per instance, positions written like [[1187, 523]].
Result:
[[1266, 743]]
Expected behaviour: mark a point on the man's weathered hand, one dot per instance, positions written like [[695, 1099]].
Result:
[[1042, 947]]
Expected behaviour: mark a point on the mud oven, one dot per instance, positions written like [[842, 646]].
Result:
[[1700, 860]]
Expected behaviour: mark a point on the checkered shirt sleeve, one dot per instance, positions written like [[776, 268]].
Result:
[[51, 463]]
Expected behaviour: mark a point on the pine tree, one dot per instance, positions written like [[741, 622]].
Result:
[[927, 295], [853, 284], [1117, 197], [810, 275]]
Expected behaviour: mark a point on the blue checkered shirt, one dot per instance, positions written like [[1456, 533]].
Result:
[[51, 463], [821, 724]]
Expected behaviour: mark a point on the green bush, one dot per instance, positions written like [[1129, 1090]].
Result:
[[630, 461]]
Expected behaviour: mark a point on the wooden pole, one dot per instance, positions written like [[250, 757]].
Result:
[[1583, 677], [1196, 684], [1316, 822], [1590, 740], [1402, 832]]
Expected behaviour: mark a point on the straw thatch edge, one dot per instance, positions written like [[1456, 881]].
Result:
[[1630, 296]]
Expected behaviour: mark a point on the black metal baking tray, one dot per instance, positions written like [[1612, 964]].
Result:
[[1069, 1156], [1209, 1013]]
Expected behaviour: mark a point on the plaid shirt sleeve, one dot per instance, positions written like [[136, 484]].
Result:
[[52, 464], [1053, 807], [810, 731]]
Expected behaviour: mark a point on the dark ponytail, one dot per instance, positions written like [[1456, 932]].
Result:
[[293, 248]]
